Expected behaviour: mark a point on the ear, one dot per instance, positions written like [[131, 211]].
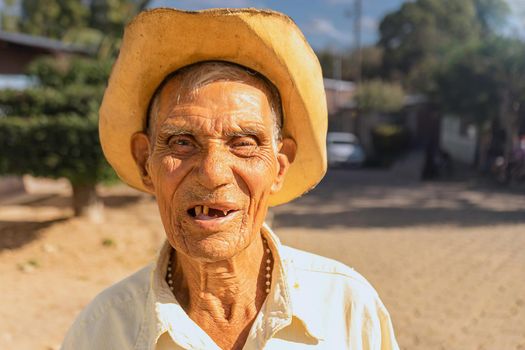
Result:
[[285, 157], [140, 147]]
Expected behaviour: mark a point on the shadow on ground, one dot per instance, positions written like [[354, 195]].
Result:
[[53, 200], [398, 217], [15, 234], [372, 198]]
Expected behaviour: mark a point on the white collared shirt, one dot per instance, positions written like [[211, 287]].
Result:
[[314, 303]]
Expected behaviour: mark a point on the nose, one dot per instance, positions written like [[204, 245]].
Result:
[[215, 169]]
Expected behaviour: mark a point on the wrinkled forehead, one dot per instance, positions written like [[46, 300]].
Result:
[[180, 88], [239, 83]]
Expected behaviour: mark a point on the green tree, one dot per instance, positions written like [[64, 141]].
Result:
[[379, 96], [108, 16], [484, 82], [372, 58], [418, 37], [51, 129], [52, 18], [8, 18], [77, 21]]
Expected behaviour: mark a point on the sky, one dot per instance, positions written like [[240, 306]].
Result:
[[325, 23], [329, 23]]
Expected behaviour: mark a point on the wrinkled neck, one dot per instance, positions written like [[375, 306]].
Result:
[[217, 286]]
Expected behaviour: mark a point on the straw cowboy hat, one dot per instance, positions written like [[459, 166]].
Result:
[[160, 41]]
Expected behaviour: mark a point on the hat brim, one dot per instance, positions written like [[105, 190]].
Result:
[[160, 41]]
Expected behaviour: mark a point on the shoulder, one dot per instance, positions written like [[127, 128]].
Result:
[[328, 290], [114, 316], [314, 265]]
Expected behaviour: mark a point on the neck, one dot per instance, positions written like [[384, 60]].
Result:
[[227, 291]]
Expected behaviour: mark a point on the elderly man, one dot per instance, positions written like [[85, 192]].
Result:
[[220, 114]]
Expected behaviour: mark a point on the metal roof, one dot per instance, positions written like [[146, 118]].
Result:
[[43, 43]]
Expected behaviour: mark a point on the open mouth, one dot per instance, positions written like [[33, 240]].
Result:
[[204, 212]]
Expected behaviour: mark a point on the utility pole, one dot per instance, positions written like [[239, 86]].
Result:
[[338, 66], [358, 9]]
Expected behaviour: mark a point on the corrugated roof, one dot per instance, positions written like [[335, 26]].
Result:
[[43, 43]]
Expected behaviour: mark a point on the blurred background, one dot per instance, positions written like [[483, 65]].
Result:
[[425, 192]]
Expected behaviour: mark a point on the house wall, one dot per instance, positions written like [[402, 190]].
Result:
[[458, 140], [14, 59]]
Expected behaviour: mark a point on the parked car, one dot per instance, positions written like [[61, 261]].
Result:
[[343, 149]]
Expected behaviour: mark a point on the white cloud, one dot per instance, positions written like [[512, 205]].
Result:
[[322, 26], [369, 24]]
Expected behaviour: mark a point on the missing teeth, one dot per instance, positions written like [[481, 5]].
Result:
[[207, 211]]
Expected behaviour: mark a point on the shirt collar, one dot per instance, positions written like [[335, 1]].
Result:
[[298, 305], [283, 303]]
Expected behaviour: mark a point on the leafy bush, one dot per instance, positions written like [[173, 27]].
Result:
[[380, 96], [58, 73], [59, 146], [80, 99]]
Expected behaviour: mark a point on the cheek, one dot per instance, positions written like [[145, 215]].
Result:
[[167, 175], [258, 175], [169, 169]]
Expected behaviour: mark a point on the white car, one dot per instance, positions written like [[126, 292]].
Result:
[[343, 149]]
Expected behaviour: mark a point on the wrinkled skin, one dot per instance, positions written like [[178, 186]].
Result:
[[215, 147]]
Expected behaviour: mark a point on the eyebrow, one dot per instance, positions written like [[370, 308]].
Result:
[[181, 130], [175, 130], [243, 132]]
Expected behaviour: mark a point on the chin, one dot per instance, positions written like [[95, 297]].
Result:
[[212, 247]]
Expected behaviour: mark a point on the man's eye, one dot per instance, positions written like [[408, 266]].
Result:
[[244, 146], [180, 143], [244, 142]]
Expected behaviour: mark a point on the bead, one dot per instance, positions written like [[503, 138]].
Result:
[[268, 268], [169, 275], [268, 275], [267, 283], [267, 290], [267, 250], [170, 282], [268, 261]]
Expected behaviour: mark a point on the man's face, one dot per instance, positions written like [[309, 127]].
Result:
[[213, 166]]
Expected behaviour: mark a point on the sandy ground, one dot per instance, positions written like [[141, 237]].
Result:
[[448, 259]]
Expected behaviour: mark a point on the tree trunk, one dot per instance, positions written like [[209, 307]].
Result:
[[86, 202], [508, 118]]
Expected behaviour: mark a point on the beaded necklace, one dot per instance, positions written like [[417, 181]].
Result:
[[268, 269]]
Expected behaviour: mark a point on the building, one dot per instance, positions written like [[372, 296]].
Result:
[[18, 50]]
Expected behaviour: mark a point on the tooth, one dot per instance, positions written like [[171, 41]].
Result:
[[205, 209], [225, 212], [198, 210]]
